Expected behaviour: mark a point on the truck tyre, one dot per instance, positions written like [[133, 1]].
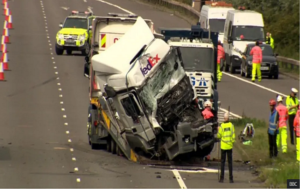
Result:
[[94, 146], [247, 74], [59, 51], [113, 146], [108, 144], [86, 49], [69, 52], [119, 151]]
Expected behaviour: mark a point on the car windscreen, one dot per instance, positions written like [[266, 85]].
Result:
[[216, 25], [266, 50], [248, 33], [75, 23], [197, 58]]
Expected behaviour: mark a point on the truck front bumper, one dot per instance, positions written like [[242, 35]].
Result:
[[187, 139]]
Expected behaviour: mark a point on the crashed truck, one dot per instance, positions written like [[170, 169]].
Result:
[[198, 50], [145, 106]]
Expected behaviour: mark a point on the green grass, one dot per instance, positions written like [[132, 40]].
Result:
[[258, 154]]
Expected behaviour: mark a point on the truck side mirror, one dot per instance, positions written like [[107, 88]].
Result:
[[110, 92], [60, 25]]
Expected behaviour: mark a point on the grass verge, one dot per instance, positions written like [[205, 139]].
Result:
[[272, 173]]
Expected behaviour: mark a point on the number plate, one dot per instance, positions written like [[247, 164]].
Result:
[[264, 68]]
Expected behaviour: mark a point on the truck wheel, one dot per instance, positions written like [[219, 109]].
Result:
[[59, 51], [108, 145], [94, 146], [86, 49], [113, 147], [69, 52], [247, 74]]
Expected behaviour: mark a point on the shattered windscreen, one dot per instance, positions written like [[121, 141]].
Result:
[[165, 78], [197, 59]]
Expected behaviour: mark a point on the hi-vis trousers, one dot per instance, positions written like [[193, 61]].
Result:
[[256, 68], [219, 72], [298, 148], [282, 138]]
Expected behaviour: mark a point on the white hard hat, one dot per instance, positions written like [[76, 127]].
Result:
[[207, 103], [279, 98], [294, 90]]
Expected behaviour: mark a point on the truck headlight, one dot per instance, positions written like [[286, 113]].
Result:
[[60, 36], [249, 62], [82, 37]]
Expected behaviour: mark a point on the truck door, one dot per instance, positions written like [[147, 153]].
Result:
[[134, 117]]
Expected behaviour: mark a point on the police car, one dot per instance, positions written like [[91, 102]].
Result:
[[75, 33]]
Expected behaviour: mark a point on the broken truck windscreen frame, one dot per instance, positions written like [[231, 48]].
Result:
[[197, 59], [168, 74]]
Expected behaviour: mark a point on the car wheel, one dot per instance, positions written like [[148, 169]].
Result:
[[231, 68], [247, 74], [242, 72], [59, 51], [69, 52], [276, 76]]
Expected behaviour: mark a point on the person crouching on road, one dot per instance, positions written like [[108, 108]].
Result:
[[256, 61], [292, 104], [273, 129], [226, 134], [207, 113], [221, 56], [283, 116], [297, 133]]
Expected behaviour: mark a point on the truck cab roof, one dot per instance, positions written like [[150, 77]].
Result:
[[187, 43]]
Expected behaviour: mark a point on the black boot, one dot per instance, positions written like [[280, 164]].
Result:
[[221, 180]]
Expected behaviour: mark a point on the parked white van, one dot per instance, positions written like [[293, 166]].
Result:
[[213, 16], [241, 28]]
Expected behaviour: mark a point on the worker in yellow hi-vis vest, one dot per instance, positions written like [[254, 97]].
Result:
[[226, 133], [292, 104]]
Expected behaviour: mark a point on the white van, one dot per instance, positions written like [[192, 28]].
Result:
[[213, 16], [241, 28]]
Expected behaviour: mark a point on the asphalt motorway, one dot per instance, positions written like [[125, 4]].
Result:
[[43, 139]]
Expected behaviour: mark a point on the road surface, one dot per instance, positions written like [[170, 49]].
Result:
[[43, 139]]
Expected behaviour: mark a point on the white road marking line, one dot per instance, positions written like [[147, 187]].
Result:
[[84, 1], [57, 77], [73, 159], [255, 84], [54, 67], [78, 180], [125, 10], [67, 132], [179, 179], [234, 115], [90, 9], [65, 8], [71, 149], [76, 169], [64, 116], [60, 95], [204, 170], [58, 83], [62, 109], [56, 73], [69, 140], [60, 89], [61, 102], [66, 124]]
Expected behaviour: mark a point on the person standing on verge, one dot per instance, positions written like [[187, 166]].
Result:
[[297, 132], [226, 134], [270, 40], [221, 55], [283, 116], [273, 129], [292, 104], [256, 61]]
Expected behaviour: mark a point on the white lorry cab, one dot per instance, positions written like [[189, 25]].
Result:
[[213, 16], [241, 28]]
